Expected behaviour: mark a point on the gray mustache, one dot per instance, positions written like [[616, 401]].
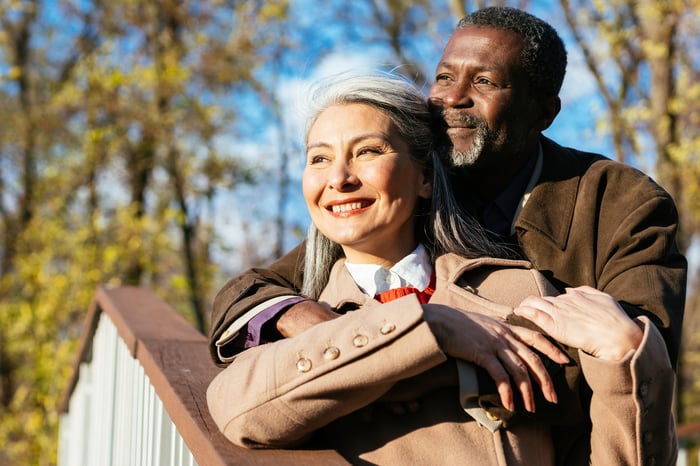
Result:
[[451, 117]]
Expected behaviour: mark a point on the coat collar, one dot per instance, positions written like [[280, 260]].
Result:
[[342, 290], [550, 208], [450, 267]]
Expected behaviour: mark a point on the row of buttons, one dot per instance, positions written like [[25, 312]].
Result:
[[647, 436], [333, 352]]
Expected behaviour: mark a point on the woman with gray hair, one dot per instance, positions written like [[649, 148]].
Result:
[[413, 291], [446, 227]]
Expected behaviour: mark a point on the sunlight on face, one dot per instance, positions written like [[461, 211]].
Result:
[[482, 97], [361, 185]]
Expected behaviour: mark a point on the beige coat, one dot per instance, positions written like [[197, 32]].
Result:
[[328, 380]]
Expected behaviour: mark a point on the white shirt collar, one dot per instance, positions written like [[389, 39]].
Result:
[[414, 270]]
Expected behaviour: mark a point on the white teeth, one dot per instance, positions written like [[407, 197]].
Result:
[[346, 207]]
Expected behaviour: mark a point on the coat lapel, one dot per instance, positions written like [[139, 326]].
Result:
[[550, 209], [342, 289]]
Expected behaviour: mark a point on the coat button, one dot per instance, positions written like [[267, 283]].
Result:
[[360, 340], [647, 437], [644, 389], [492, 416], [331, 353], [387, 329], [303, 365]]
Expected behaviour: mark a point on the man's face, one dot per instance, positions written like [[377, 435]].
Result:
[[481, 99]]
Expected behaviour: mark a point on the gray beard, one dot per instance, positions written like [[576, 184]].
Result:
[[470, 157]]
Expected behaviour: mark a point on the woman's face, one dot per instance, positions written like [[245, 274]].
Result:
[[361, 185]]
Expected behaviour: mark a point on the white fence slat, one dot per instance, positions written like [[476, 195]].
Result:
[[115, 416]]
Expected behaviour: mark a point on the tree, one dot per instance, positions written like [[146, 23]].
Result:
[[108, 155], [646, 69]]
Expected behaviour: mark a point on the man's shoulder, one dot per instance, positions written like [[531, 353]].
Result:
[[562, 162], [556, 155]]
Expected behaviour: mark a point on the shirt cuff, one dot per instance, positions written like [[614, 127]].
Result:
[[246, 331]]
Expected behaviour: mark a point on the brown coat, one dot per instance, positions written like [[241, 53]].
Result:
[[279, 394], [588, 221]]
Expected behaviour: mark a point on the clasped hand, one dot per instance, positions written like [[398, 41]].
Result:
[[504, 351], [584, 318]]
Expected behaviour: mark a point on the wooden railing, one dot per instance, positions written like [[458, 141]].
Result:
[[137, 393]]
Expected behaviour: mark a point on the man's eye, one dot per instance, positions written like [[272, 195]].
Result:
[[486, 82], [442, 78]]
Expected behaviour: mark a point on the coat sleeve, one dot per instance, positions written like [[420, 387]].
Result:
[[631, 406], [252, 289], [611, 227], [277, 394], [639, 261]]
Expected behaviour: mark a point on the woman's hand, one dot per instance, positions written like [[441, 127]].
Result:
[[503, 350], [584, 318]]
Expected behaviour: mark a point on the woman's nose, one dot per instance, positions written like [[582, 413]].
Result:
[[342, 176]]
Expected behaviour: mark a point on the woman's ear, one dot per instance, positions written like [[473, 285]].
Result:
[[425, 190]]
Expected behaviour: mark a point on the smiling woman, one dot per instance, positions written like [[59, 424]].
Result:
[[361, 184]]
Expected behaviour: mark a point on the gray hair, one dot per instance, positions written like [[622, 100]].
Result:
[[444, 228], [396, 97], [543, 56]]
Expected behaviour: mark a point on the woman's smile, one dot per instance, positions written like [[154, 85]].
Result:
[[347, 208]]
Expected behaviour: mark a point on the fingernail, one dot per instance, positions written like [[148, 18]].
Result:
[[553, 397]]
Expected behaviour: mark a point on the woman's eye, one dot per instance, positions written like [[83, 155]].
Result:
[[315, 159], [370, 151]]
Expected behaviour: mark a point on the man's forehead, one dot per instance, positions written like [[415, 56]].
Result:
[[474, 32], [485, 42]]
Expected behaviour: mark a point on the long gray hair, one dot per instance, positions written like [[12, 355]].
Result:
[[443, 227]]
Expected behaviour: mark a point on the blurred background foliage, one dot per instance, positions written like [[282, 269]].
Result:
[[128, 127]]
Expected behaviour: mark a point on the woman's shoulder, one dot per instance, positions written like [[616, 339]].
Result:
[[505, 281]]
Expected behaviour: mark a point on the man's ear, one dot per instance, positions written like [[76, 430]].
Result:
[[550, 108]]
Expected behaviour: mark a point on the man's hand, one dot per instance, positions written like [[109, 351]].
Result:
[[584, 318], [503, 350], [302, 316]]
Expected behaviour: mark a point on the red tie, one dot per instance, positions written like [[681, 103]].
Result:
[[423, 296]]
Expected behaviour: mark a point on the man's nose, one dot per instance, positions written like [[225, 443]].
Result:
[[456, 95]]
